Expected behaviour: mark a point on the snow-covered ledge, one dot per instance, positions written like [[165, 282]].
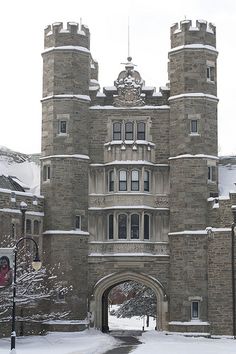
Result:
[[66, 232]]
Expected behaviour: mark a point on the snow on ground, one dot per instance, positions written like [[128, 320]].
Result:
[[86, 342], [157, 342], [136, 323], [95, 342]]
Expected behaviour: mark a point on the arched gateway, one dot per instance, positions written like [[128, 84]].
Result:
[[99, 300]]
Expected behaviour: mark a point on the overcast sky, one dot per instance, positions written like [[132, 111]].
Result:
[[21, 36]]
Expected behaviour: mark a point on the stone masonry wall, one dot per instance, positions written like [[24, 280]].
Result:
[[70, 253], [188, 275], [220, 283]]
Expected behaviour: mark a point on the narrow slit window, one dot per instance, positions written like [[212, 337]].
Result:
[[195, 310], [62, 128], [146, 227], [110, 227], [194, 126]]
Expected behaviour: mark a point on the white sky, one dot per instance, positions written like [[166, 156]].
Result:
[[21, 37]]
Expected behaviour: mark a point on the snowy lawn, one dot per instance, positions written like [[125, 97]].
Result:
[[86, 342], [162, 343]]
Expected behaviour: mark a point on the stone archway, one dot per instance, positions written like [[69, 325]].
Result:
[[98, 302]]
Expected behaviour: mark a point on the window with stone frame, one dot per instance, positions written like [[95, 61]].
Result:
[[141, 133], [62, 127], [146, 227], [110, 226], [210, 71], [111, 181], [211, 173], [117, 131], [129, 131], [134, 180], [193, 126], [46, 172], [146, 181], [122, 226], [122, 180], [195, 310], [134, 226], [78, 222]]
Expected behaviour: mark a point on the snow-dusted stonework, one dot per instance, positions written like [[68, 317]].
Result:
[[130, 181]]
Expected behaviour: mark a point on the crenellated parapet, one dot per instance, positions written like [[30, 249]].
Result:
[[74, 34], [185, 33]]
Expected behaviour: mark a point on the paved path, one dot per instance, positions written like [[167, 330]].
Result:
[[128, 341]]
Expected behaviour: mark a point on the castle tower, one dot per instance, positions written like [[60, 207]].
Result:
[[193, 123], [193, 166], [64, 183]]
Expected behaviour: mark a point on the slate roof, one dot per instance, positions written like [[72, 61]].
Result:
[[7, 182]]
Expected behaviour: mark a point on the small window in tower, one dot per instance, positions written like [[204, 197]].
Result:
[[78, 222], [62, 129], [211, 173], [210, 73], [195, 310], [141, 131], [134, 180], [122, 181], [117, 131], [129, 131], [46, 173], [193, 126]]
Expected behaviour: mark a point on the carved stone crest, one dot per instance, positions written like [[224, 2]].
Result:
[[129, 87]]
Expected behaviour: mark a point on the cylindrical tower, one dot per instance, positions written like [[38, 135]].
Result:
[[193, 123], [64, 172]]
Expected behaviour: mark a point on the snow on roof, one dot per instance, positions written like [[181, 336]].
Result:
[[75, 156], [67, 47], [193, 46], [122, 108], [81, 97], [194, 156], [195, 95], [227, 179]]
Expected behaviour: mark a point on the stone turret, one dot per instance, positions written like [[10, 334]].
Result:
[[65, 108], [193, 122]]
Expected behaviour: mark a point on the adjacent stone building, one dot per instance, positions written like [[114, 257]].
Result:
[[130, 181]]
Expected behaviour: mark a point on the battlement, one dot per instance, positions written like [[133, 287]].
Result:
[[74, 34], [185, 32]]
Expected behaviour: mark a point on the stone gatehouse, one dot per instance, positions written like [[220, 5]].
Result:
[[130, 181]]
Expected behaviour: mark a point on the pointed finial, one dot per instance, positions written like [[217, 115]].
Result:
[[128, 40]]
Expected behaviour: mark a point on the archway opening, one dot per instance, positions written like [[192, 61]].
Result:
[[131, 306], [99, 300]]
